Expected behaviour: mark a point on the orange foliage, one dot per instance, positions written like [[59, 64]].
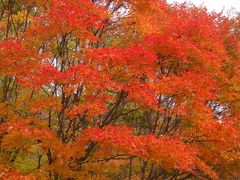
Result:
[[110, 89]]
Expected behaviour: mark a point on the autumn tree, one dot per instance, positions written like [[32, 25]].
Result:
[[118, 89]]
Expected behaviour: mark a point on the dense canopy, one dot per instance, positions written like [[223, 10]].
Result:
[[118, 89]]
